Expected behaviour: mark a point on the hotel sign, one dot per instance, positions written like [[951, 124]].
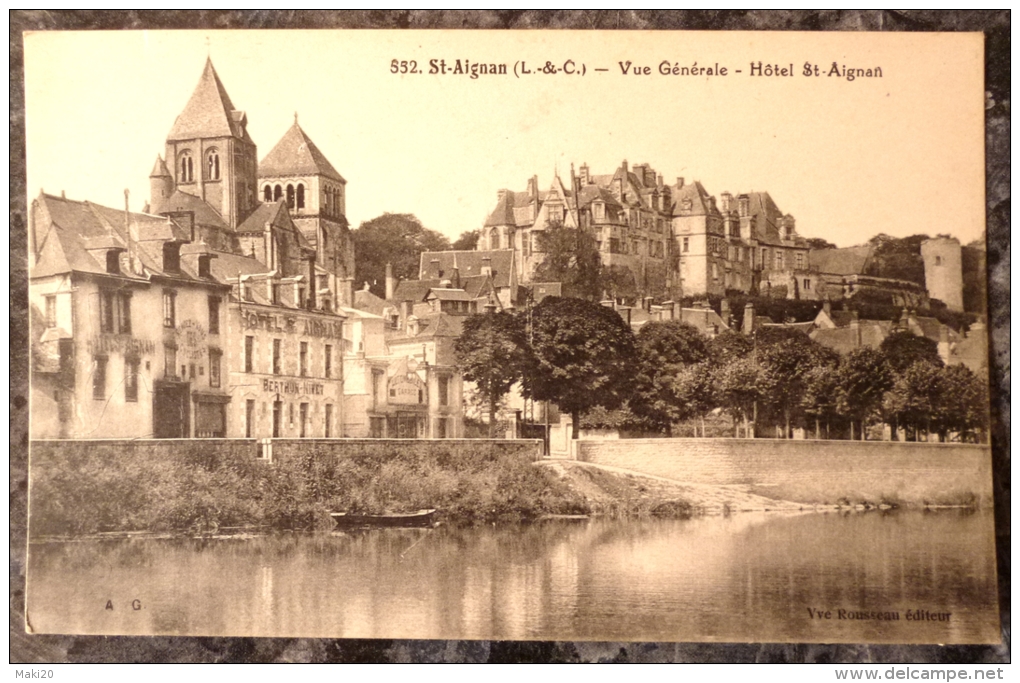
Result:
[[292, 324]]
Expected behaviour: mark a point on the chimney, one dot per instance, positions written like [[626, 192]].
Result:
[[486, 265], [391, 283], [679, 182], [584, 174], [267, 238], [749, 318], [827, 307], [434, 272], [624, 167], [724, 312], [405, 312], [455, 278]]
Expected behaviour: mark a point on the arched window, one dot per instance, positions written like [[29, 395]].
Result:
[[267, 193], [300, 196], [493, 239], [290, 196], [212, 162], [277, 193], [186, 168]]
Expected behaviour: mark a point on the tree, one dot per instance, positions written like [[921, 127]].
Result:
[[819, 401], [571, 257], [582, 355], [729, 345], [786, 356], [395, 238], [696, 391], [491, 352], [819, 243], [468, 240], [937, 399], [903, 348], [664, 350], [863, 377], [739, 386]]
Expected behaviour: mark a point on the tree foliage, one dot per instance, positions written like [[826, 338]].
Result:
[[582, 355], [395, 238], [903, 348], [491, 353], [863, 377], [931, 398], [571, 257], [468, 240], [786, 357], [665, 390]]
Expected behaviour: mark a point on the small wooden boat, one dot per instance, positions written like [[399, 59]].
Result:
[[418, 518]]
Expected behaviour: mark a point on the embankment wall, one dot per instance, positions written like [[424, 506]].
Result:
[[811, 471]]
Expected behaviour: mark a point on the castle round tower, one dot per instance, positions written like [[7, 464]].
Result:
[[943, 270]]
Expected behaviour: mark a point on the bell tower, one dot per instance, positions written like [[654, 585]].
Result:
[[209, 153]]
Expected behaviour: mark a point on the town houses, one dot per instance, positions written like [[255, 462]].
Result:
[[224, 307]]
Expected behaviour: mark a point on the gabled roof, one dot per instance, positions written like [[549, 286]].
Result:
[[697, 195], [469, 263], [413, 290], [205, 214], [209, 113], [432, 326], [367, 301], [296, 155], [448, 294], [845, 261], [276, 214]]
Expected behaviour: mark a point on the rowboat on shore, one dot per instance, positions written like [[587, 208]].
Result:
[[418, 518]]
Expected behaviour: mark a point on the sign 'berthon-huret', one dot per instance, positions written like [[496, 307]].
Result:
[[293, 386], [292, 324], [191, 340]]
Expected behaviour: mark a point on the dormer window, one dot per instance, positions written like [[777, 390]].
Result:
[[186, 168], [113, 262], [212, 164], [171, 257]]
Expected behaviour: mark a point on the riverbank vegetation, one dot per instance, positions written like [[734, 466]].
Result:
[[99, 491]]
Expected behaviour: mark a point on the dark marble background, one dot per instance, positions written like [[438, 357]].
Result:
[[33, 648]]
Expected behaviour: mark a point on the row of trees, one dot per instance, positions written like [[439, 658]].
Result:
[[584, 358]]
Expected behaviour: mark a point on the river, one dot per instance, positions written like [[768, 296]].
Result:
[[746, 577]]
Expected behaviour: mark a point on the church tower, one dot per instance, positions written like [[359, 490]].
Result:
[[209, 153], [296, 171]]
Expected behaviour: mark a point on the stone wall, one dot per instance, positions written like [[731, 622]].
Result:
[[811, 471], [208, 452]]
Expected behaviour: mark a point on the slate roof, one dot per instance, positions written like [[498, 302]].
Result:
[[296, 155], [431, 326], [844, 339], [205, 214], [696, 193], [845, 261], [159, 169], [469, 263], [78, 234], [365, 300], [447, 294], [209, 113], [275, 213]]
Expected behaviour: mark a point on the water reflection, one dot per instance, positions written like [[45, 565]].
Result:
[[745, 577]]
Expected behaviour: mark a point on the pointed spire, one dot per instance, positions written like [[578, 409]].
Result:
[[160, 170], [209, 112], [296, 154]]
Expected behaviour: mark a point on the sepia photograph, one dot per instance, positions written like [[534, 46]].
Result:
[[609, 336]]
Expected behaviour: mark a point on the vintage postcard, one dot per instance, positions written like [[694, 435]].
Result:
[[530, 335]]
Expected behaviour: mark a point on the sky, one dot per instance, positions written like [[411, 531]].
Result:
[[901, 154]]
